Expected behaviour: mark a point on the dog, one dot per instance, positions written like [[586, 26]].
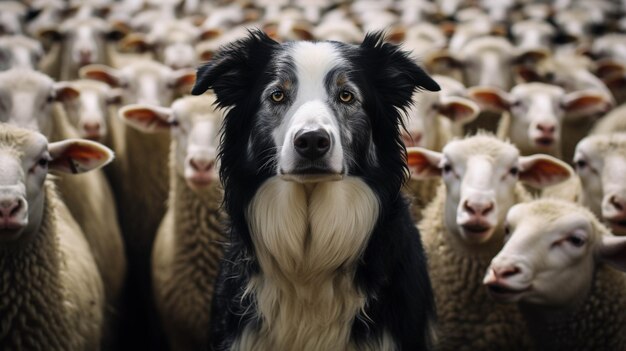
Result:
[[323, 254]]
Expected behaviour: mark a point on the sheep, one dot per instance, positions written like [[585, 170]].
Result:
[[555, 267], [187, 247], [19, 51], [433, 119], [536, 111], [613, 122], [30, 96], [572, 72], [140, 174], [87, 103], [12, 14], [83, 42], [600, 163], [487, 62], [52, 296], [462, 230], [533, 37]]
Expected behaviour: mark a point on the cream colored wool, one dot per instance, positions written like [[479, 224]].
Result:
[[467, 318], [613, 122], [90, 200], [185, 261], [420, 192], [51, 295]]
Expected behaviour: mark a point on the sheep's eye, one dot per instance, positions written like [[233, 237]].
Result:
[[447, 168], [514, 171], [43, 162], [576, 241], [50, 98], [346, 96], [516, 103], [581, 164], [174, 123], [277, 96]]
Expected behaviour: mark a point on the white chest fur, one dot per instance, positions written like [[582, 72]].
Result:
[[308, 240]]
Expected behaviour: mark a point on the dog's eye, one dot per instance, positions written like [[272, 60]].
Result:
[[346, 96], [277, 96]]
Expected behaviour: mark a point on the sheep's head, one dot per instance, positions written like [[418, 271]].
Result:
[[25, 159], [481, 175], [551, 251]]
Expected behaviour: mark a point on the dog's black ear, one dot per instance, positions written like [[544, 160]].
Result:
[[391, 71], [231, 73]]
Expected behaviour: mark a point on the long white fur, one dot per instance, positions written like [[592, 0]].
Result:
[[307, 239]]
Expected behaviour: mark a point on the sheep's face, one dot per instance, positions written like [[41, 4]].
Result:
[[25, 158], [481, 175], [19, 52], [428, 106], [601, 164], [551, 250], [196, 137], [86, 106], [194, 126], [26, 99], [24, 163], [145, 82], [487, 62], [86, 42], [537, 111]]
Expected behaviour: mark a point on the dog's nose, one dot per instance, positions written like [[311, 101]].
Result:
[[312, 144]]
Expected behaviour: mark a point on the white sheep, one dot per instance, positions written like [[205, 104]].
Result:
[[433, 120], [613, 122], [462, 231], [52, 296], [89, 198], [536, 112], [18, 51], [87, 103], [188, 245], [554, 265], [600, 163], [12, 15]]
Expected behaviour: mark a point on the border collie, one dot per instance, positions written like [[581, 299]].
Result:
[[323, 253]]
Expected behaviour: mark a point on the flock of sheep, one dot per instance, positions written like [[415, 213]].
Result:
[[125, 256]]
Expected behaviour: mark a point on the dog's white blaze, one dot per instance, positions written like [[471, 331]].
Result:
[[310, 109], [308, 239]]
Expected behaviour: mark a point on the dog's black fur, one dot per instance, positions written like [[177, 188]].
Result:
[[392, 272]]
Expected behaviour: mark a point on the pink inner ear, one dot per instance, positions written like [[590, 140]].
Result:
[[457, 111], [146, 117], [489, 99], [81, 153], [101, 76], [67, 93], [544, 172], [585, 102], [186, 80]]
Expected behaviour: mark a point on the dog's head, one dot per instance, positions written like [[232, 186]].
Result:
[[312, 111]]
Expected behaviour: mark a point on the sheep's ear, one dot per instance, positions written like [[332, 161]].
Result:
[[444, 59], [64, 92], [303, 32], [540, 171], [103, 73], [235, 68], [584, 103], [423, 163], [114, 96], [397, 35], [78, 156], [135, 42], [182, 78], [615, 82], [147, 118], [613, 251], [528, 74], [459, 110], [607, 68], [210, 33], [491, 99]]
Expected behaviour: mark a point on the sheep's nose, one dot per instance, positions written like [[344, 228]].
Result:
[[10, 209], [92, 128], [546, 128], [502, 273], [201, 165], [478, 208], [312, 144]]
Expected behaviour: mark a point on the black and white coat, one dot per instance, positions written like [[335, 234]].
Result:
[[323, 252]]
